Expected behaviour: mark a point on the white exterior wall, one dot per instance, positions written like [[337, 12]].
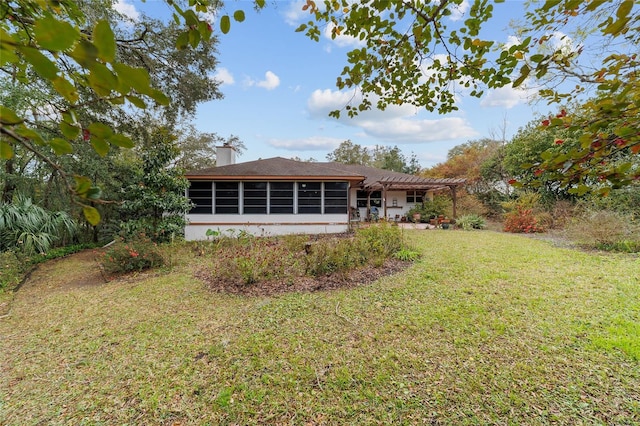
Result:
[[401, 209], [265, 225]]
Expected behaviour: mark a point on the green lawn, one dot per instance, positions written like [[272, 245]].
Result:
[[486, 328]]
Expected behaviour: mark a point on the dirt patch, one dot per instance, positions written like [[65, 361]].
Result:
[[350, 279], [77, 270]]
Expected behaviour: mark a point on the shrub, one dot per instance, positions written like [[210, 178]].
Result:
[[440, 205], [380, 240], [31, 229], [521, 221], [605, 230], [133, 255], [287, 257], [469, 222], [12, 270], [264, 259]]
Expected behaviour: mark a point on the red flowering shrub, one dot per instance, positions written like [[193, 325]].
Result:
[[134, 255], [521, 220]]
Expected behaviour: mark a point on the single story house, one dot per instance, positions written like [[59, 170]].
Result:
[[278, 196]]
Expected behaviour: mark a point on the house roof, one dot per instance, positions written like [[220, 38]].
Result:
[[278, 168], [377, 179]]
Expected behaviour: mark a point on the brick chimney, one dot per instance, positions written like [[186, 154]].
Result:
[[225, 155]]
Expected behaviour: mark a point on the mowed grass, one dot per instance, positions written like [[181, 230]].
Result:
[[486, 328]]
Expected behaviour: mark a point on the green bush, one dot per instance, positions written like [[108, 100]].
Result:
[[469, 222], [30, 229], [133, 255], [430, 209], [12, 270]]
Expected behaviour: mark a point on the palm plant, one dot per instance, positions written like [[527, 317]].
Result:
[[28, 228]]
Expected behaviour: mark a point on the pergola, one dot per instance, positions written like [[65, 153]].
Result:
[[385, 180], [416, 184]]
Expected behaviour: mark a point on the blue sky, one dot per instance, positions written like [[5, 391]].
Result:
[[279, 86]]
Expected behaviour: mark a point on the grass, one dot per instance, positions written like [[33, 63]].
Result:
[[485, 328]]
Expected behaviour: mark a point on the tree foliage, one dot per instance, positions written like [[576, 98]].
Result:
[[156, 204], [381, 157], [76, 52], [412, 53]]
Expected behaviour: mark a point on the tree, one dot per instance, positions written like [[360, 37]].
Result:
[[198, 150], [350, 153], [155, 204], [381, 157], [413, 54], [466, 161], [73, 51]]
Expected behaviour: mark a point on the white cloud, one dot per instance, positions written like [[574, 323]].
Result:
[[342, 40], [294, 14], [458, 10], [397, 124], [511, 41], [127, 9], [507, 97], [562, 42], [224, 76], [313, 143], [270, 82], [406, 130]]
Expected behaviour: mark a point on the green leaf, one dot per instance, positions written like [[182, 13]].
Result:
[[159, 97], [137, 102], [183, 40], [52, 34], [137, 78], [6, 151], [91, 214], [624, 9], [260, 3], [66, 89], [7, 56], [41, 64], [102, 80], [238, 15], [594, 4], [60, 146], [225, 24], [194, 38], [100, 146], [624, 132], [121, 141], [8, 117], [30, 134], [104, 41], [580, 190], [85, 54], [94, 193], [616, 27], [69, 131], [83, 184], [100, 130], [524, 73], [549, 4]]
